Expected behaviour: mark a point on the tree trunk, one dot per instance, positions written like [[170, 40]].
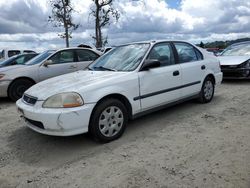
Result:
[[98, 33], [65, 24], [67, 36]]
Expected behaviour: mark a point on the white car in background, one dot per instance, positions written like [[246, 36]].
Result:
[[129, 81], [235, 61], [7, 53], [15, 80]]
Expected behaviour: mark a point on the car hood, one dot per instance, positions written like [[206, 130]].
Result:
[[72, 82], [232, 60], [9, 68]]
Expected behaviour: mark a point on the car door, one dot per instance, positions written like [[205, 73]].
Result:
[[193, 68], [158, 86], [62, 62], [85, 57]]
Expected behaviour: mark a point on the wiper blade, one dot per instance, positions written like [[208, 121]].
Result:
[[105, 68]]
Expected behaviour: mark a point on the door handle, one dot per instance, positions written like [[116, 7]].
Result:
[[176, 73], [203, 67]]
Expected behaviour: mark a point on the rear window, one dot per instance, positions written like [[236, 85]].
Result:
[[13, 52], [28, 51]]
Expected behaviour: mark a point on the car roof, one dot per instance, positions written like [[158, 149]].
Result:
[[154, 42], [79, 48], [240, 43]]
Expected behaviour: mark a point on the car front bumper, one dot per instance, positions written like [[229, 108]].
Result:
[[231, 72], [4, 84], [56, 121]]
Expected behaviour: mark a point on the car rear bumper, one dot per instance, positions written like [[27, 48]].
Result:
[[4, 84], [218, 78], [56, 122]]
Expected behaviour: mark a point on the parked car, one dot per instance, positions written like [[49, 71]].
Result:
[[235, 61], [105, 49], [14, 80], [7, 53], [215, 51], [17, 59], [129, 81]]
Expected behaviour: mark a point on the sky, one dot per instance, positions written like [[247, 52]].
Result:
[[23, 23]]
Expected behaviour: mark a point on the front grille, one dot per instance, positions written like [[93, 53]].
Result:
[[35, 123], [29, 99]]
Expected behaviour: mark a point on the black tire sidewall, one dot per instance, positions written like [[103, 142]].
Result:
[[12, 91], [94, 123]]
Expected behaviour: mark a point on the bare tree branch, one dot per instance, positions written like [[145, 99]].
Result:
[[61, 16]]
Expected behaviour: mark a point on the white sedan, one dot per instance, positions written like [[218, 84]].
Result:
[[129, 81]]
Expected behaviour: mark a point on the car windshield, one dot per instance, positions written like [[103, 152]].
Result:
[[7, 61], [41, 57], [237, 50], [122, 58]]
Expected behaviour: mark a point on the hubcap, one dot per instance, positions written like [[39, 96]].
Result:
[[111, 121], [208, 90]]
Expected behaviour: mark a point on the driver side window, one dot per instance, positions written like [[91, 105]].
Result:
[[66, 56], [163, 53]]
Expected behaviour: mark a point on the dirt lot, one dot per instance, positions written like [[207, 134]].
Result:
[[189, 145]]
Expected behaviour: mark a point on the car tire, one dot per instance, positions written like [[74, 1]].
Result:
[[207, 90], [18, 87], [109, 120]]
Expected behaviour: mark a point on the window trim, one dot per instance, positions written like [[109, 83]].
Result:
[[76, 54], [171, 47], [196, 50], [74, 57]]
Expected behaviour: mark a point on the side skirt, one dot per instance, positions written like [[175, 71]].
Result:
[[137, 115]]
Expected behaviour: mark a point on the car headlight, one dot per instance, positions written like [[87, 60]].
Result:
[[245, 64], [1, 76], [64, 100]]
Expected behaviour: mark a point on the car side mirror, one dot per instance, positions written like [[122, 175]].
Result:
[[150, 63], [47, 63]]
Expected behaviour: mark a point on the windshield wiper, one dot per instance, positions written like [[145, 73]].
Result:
[[105, 68]]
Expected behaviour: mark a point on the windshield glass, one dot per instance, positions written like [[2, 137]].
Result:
[[122, 58], [241, 49], [41, 57], [8, 61]]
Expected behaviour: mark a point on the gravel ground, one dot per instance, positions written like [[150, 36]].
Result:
[[189, 145]]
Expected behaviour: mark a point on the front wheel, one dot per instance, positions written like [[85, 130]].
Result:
[[207, 90], [109, 120], [18, 87]]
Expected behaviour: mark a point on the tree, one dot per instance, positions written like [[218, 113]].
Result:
[[202, 45], [102, 12], [62, 17]]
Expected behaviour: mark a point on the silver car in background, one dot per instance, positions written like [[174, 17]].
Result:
[[235, 61], [15, 80]]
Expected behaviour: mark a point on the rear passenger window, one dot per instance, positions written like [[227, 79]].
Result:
[[86, 55], [163, 53], [13, 52], [187, 53]]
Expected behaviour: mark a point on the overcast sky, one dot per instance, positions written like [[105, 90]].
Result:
[[23, 23]]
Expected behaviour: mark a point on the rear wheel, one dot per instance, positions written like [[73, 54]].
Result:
[[207, 90], [109, 120], [18, 87]]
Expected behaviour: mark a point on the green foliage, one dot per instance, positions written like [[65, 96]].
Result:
[[61, 16]]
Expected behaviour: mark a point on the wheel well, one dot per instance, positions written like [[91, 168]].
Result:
[[119, 97], [21, 78], [212, 77]]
